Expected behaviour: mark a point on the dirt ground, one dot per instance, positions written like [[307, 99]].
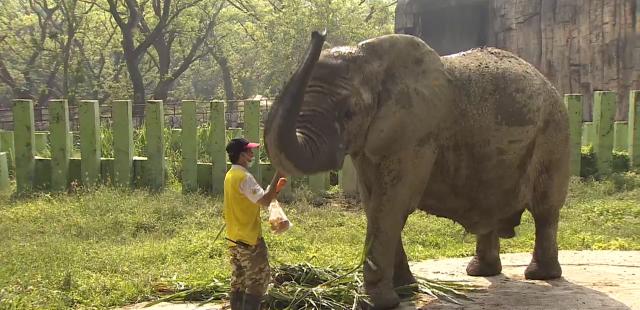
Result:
[[591, 280]]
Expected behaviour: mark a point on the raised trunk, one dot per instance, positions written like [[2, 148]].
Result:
[[308, 142]]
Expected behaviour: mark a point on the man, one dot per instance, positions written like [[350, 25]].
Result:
[[243, 197]]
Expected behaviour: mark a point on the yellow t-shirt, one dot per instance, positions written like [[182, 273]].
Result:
[[241, 214]]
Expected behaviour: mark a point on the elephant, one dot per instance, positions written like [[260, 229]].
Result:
[[476, 137]]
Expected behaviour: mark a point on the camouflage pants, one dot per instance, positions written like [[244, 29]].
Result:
[[250, 268]]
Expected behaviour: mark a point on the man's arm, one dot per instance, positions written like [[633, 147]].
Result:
[[271, 192]]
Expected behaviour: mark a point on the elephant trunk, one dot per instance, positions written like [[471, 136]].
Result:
[[302, 140]]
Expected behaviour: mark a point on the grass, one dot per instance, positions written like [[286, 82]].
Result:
[[114, 247]]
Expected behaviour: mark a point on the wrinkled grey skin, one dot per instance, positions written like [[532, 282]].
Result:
[[476, 137]]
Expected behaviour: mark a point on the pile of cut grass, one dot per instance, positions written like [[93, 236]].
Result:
[[304, 286]]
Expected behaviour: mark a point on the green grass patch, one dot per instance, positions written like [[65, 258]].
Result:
[[114, 247]]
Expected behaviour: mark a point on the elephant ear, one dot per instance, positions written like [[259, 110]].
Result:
[[406, 77], [399, 56]]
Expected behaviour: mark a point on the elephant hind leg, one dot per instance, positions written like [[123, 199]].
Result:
[[549, 196], [544, 263], [486, 262]]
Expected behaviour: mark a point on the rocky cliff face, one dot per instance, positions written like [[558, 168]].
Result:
[[580, 45]]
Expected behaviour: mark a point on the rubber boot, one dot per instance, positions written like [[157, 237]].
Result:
[[237, 298], [252, 302]]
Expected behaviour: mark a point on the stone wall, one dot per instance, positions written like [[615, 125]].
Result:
[[580, 45]]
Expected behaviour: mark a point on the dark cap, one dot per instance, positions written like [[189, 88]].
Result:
[[237, 145]]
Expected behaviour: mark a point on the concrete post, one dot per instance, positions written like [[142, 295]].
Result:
[[122, 142], [154, 126], [4, 172], [60, 146], [217, 146], [603, 114], [634, 129], [574, 108], [319, 182], [24, 130], [6, 139], [90, 142], [620, 132], [189, 140]]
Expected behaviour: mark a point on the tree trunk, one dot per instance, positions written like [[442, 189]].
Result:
[[232, 106], [226, 77], [165, 82], [161, 92], [137, 83]]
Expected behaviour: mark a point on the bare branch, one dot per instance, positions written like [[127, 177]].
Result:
[[372, 10], [154, 60], [246, 31], [197, 44], [179, 10], [238, 6], [113, 9]]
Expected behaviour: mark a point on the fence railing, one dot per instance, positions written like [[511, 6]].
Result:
[[25, 147], [21, 150]]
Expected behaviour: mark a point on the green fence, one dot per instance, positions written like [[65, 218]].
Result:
[[604, 134], [45, 160]]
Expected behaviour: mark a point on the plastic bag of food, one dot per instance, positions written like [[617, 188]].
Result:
[[277, 219]]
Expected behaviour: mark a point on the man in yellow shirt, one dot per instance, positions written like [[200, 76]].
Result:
[[243, 197]]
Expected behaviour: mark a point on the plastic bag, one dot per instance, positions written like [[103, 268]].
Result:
[[277, 219]]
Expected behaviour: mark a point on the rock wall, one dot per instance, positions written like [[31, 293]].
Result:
[[580, 45]]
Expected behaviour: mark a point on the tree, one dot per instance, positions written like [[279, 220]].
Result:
[[169, 26], [184, 40], [166, 49], [30, 57], [74, 12], [270, 36]]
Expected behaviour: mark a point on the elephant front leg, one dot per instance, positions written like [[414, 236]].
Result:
[[486, 262], [383, 236], [391, 188], [402, 275]]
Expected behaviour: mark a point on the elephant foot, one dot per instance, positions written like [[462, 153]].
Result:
[[543, 270], [484, 268], [405, 286], [404, 279], [382, 299]]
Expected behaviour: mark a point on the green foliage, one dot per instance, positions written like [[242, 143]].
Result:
[[620, 162], [272, 37], [110, 247], [78, 44]]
